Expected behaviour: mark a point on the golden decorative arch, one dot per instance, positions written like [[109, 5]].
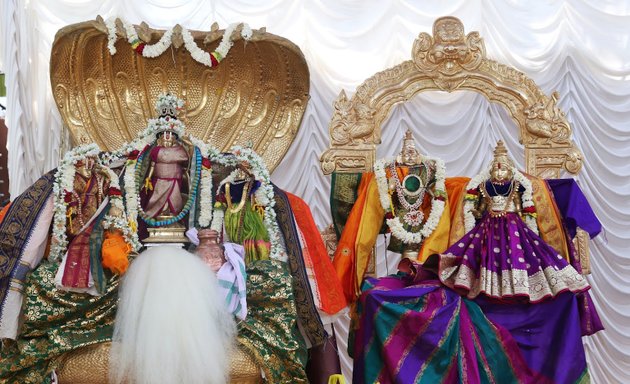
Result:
[[256, 95], [450, 61]]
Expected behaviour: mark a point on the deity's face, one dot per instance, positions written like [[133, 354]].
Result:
[[169, 139], [410, 156], [84, 167], [500, 172]]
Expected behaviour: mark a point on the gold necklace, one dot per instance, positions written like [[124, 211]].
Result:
[[228, 197], [509, 191]]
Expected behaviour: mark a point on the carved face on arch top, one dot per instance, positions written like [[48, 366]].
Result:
[[450, 42]]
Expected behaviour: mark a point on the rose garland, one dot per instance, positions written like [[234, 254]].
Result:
[[437, 203], [472, 196], [211, 59]]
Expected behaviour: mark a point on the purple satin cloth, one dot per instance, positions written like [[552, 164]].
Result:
[[416, 330], [548, 334], [574, 208]]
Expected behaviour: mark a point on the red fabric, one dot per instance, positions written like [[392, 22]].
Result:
[[77, 269], [3, 212], [331, 293]]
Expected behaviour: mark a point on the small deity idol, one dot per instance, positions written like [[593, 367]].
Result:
[[90, 187], [502, 256], [164, 180], [88, 207], [411, 183]]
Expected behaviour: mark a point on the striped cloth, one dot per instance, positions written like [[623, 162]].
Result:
[[232, 278]]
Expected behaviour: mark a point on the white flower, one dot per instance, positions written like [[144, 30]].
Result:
[[437, 206], [64, 183], [157, 49], [469, 218], [111, 35], [527, 198]]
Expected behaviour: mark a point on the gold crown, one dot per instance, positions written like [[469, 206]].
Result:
[[501, 155], [168, 104]]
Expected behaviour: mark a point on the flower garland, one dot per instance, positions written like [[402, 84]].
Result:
[[119, 222], [211, 59], [208, 217], [472, 196], [62, 187], [437, 203]]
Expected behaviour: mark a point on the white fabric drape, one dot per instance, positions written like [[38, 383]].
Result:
[[579, 48]]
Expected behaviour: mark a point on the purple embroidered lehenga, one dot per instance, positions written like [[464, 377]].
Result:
[[503, 258]]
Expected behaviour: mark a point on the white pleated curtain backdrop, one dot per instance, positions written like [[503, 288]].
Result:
[[580, 48]]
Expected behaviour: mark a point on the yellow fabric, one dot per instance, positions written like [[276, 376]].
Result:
[[372, 219], [438, 241], [370, 224], [456, 189], [336, 379], [344, 259], [548, 217], [354, 250]]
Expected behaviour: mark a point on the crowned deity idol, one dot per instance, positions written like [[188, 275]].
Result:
[[502, 255], [88, 211], [160, 169], [408, 193]]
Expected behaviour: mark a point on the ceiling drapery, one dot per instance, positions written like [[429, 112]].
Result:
[[579, 48]]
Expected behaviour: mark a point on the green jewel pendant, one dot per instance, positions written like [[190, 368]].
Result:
[[412, 185]]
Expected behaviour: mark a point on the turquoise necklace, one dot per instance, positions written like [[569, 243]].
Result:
[[189, 202]]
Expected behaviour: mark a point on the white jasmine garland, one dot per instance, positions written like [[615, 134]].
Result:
[[217, 219], [155, 50], [161, 124], [111, 35], [205, 198], [437, 205], [469, 205], [120, 223], [206, 213], [160, 47], [131, 195]]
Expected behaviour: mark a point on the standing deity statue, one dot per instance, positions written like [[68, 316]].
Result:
[[164, 181], [502, 255], [408, 193], [88, 212], [162, 176]]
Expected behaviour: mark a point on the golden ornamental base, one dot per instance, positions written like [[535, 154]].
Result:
[[90, 365], [174, 233]]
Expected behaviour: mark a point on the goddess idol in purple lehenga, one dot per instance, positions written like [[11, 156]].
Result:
[[501, 255]]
